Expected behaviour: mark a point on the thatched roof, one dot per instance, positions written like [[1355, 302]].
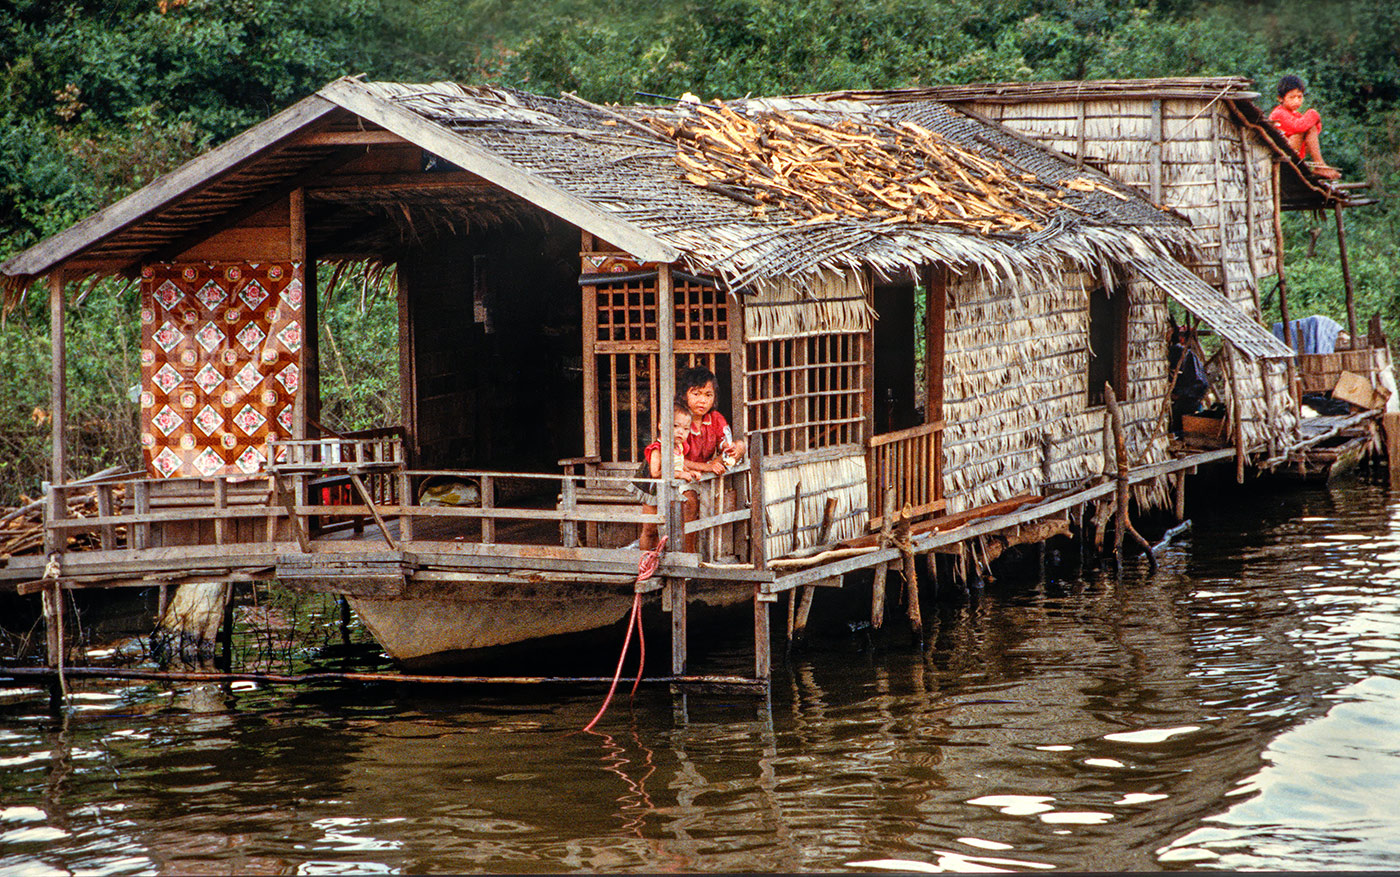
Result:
[[1301, 187], [610, 171]]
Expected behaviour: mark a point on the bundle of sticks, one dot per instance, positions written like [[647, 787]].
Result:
[[22, 527], [867, 169]]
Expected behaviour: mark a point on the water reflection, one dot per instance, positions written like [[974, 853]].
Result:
[[1235, 710]]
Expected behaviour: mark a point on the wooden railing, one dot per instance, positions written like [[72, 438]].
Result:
[[910, 461], [136, 513]]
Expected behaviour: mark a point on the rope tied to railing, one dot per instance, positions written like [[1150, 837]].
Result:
[[646, 568]]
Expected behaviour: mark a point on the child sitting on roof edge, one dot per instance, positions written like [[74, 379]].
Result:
[[1300, 129]]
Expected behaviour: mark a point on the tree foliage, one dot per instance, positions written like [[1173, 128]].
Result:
[[97, 97]]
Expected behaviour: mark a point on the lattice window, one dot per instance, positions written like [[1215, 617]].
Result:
[[624, 355], [702, 315], [807, 393]]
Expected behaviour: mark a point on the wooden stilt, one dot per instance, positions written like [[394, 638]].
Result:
[[762, 642], [1391, 422], [930, 564], [804, 611], [791, 617], [1179, 500], [1122, 525], [52, 601], [1346, 275], [877, 596], [678, 633]]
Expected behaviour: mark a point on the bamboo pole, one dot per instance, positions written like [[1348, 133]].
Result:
[[1346, 274], [303, 678]]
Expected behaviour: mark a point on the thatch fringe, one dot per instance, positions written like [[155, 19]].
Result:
[[833, 302]]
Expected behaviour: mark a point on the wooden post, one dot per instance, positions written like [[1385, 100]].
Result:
[[877, 596], [1121, 523], [1294, 389], [1047, 444], [762, 642], [58, 385], [1079, 138], [911, 577], [52, 600], [488, 501], [1346, 275], [1390, 421], [1154, 155], [674, 595], [666, 385], [406, 501], [804, 610], [1179, 500], [758, 515], [568, 503], [220, 504], [1236, 409], [796, 515], [140, 534], [108, 537]]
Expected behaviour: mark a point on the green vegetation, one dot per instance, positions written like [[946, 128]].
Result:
[[97, 97]]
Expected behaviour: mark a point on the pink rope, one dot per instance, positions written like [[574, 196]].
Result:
[[646, 567]]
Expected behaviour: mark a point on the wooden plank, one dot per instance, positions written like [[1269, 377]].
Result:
[[469, 156], [347, 138], [183, 182]]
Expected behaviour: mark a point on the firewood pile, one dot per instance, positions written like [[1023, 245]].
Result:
[[868, 170], [22, 527]]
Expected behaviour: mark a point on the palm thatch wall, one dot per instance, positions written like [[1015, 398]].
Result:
[[1192, 155], [1016, 371]]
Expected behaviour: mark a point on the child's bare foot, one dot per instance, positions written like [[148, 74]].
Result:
[[1326, 171]]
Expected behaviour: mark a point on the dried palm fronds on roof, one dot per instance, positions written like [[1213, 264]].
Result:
[[868, 169]]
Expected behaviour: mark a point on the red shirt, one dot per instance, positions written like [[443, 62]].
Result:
[[707, 437], [1291, 123]]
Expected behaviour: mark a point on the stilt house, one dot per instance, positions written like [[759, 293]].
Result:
[[910, 308]]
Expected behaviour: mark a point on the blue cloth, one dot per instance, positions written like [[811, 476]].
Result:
[[1315, 334]]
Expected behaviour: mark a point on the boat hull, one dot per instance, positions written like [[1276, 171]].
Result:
[[425, 631]]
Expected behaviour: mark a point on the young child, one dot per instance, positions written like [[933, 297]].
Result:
[[657, 464], [709, 446], [1300, 129]]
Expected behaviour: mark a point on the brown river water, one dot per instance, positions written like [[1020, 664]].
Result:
[[1237, 709]]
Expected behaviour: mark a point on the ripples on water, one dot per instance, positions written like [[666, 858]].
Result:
[[1238, 709]]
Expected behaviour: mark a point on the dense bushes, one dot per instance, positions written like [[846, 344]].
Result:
[[97, 97]]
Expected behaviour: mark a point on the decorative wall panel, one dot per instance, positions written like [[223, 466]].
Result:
[[221, 360]]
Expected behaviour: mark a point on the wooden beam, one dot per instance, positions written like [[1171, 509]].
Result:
[[183, 182], [347, 138], [467, 155], [229, 219]]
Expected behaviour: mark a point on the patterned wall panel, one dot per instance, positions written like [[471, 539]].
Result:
[[221, 353]]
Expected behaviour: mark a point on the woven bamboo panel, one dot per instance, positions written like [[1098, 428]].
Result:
[[843, 478], [1016, 369]]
